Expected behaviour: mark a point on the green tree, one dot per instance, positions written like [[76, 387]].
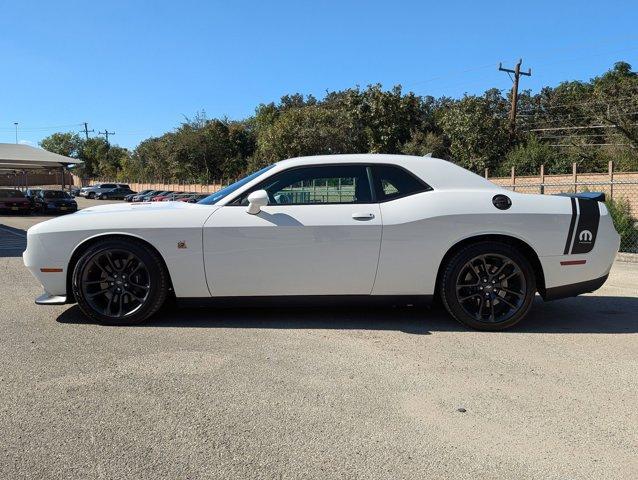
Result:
[[68, 144], [625, 224], [476, 128], [528, 157], [311, 130]]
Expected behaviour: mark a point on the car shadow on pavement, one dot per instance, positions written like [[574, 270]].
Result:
[[13, 241], [586, 314]]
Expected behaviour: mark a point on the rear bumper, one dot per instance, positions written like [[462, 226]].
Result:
[[62, 208], [20, 209], [565, 291]]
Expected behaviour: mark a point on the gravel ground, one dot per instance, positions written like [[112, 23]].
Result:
[[319, 393]]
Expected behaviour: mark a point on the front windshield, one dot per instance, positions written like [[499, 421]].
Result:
[[213, 198], [11, 194], [55, 194]]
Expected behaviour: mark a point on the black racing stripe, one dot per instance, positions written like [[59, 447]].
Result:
[[587, 228], [572, 223]]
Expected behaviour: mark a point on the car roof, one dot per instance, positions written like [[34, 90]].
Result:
[[436, 172]]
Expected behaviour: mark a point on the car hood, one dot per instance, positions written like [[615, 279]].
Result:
[[128, 217], [135, 207]]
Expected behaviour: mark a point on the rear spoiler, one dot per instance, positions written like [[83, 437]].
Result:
[[597, 196]]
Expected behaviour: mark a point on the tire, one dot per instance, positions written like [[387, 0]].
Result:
[[104, 267], [476, 292], [90, 195]]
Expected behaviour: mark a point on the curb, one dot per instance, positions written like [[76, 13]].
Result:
[[627, 257]]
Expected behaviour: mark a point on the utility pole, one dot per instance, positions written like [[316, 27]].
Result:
[[517, 73], [16, 124], [106, 134], [86, 130]]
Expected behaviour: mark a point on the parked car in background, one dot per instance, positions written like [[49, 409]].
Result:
[[74, 191], [115, 194], [94, 190], [130, 197], [195, 198], [14, 201], [54, 201], [30, 194], [159, 198], [148, 197], [176, 196], [140, 196]]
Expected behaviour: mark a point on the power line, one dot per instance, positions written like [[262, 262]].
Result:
[[52, 127], [587, 102], [591, 145], [451, 73], [567, 118], [584, 127], [576, 135], [517, 73]]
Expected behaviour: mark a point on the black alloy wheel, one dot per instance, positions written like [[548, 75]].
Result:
[[119, 282], [488, 286]]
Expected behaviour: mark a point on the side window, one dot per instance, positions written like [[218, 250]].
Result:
[[108, 185], [394, 182], [329, 184]]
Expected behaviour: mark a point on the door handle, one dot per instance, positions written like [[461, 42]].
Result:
[[363, 216]]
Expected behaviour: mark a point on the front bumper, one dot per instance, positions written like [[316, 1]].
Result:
[[48, 299]]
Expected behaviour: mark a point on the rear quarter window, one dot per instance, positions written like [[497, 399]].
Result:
[[392, 182]]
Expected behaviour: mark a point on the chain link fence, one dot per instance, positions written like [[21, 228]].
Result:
[[621, 198]]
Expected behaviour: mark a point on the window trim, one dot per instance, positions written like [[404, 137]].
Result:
[[378, 188], [366, 166]]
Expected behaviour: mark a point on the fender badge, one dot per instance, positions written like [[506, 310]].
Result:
[[181, 245]]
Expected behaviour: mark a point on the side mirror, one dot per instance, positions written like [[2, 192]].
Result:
[[256, 200]]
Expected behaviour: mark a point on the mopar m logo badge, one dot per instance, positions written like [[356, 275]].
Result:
[[181, 245], [585, 236]]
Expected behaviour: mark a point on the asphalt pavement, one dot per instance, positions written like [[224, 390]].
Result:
[[317, 393]]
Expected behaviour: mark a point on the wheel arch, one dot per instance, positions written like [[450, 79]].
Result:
[[89, 242], [523, 247]]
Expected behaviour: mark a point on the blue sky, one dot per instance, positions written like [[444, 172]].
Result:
[[137, 68]]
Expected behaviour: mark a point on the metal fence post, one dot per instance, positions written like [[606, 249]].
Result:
[[574, 177], [611, 179], [542, 184], [513, 179]]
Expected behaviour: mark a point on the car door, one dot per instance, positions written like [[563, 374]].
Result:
[[320, 234]]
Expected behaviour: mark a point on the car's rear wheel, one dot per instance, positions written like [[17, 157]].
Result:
[[488, 286], [120, 282]]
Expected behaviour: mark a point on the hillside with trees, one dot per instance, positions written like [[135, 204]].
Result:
[[588, 123]]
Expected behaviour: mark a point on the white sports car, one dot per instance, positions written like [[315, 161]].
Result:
[[389, 228]]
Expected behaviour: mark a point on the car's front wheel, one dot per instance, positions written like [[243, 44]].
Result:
[[120, 282], [90, 195], [488, 286]]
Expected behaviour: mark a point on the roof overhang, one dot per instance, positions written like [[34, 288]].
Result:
[[22, 157]]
